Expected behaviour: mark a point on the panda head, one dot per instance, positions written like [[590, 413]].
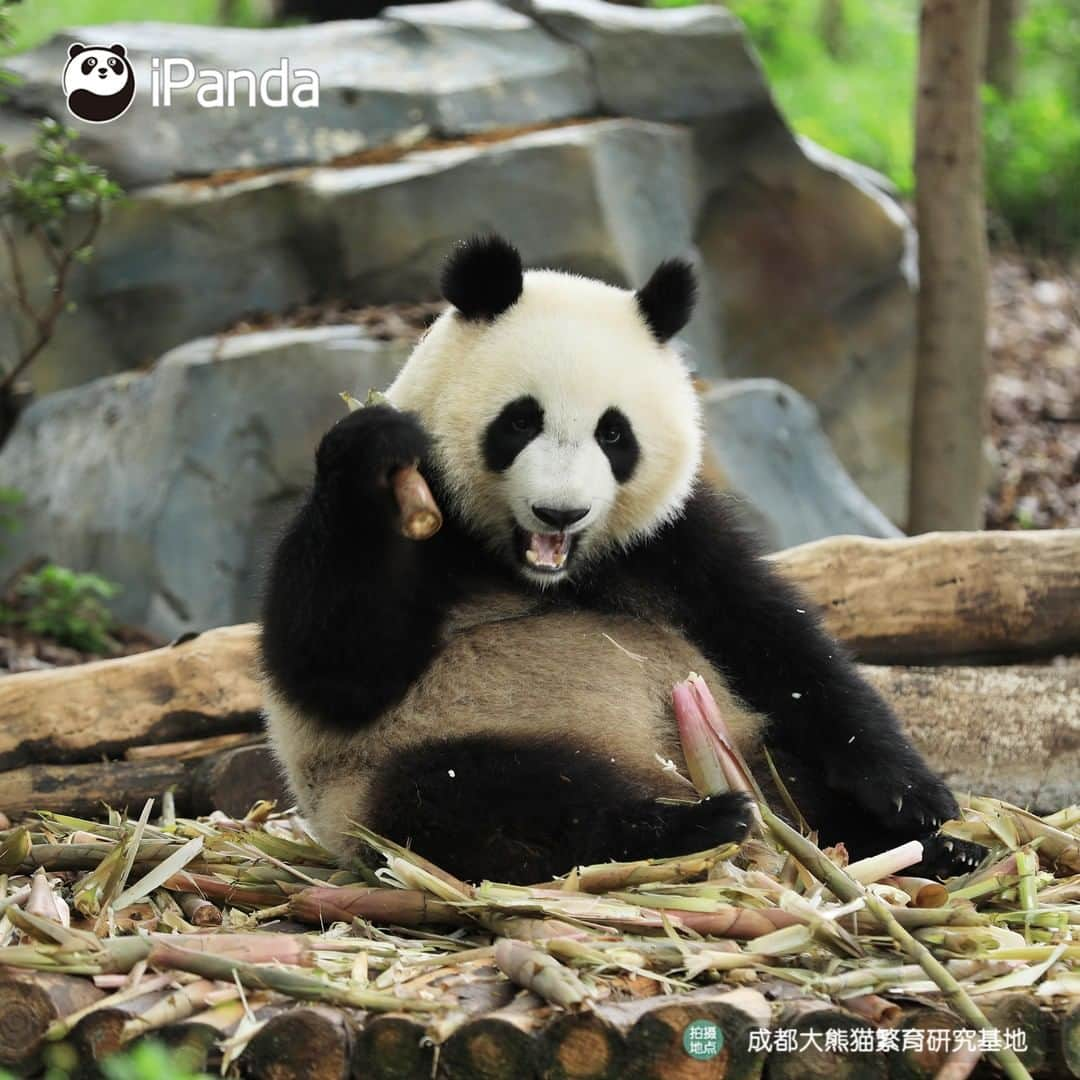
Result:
[[99, 82], [564, 423]]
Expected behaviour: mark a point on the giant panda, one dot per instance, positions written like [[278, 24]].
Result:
[[499, 697]]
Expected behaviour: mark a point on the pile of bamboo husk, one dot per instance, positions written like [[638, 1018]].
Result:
[[242, 941]]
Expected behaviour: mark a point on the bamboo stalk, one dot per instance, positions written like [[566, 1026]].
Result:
[[846, 889], [198, 910], [539, 972]]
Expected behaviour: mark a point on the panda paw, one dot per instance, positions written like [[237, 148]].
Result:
[[909, 802], [719, 819], [363, 449], [944, 857]]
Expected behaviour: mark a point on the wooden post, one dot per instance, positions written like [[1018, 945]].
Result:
[[498, 1046], [1021, 1011], [30, 1002], [814, 1057], [582, 1046], [390, 1047], [300, 1044], [924, 1062], [655, 1028], [950, 410]]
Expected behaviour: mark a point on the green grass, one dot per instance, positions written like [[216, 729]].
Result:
[[34, 21]]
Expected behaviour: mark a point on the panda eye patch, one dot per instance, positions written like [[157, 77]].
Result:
[[88, 65], [517, 424], [616, 438], [114, 64]]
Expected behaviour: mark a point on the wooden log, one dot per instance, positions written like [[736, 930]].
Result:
[[1011, 732], [581, 1046], [311, 1043], [231, 781], [1021, 1012], [30, 1002], [392, 1047], [191, 748], [101, 1032], [657, 1030], [82, 789], [945, 596], [498, 1046], [235, 780], [924, 1058], [190, 1044], [205, 686], [813, 1056]]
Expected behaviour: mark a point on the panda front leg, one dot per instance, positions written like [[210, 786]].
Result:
[[861, 779], [352, 609]]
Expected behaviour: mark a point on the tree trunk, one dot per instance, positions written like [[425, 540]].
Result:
[[949, 416], [1001, 54], [832, 22]]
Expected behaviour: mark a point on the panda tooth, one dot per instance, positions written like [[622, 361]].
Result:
[[531, 557]]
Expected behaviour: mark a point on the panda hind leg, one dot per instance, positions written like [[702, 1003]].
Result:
[[526, 810]]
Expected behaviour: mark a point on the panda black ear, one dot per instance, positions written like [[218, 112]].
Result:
[[75, 48], [118, 49], [482, 277], [666, 300]]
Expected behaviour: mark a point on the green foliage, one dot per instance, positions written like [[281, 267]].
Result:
[[1033, 140], [64, 605], [57, 183], [42, 200], [861, 103], [34, 22], [146, 1061]]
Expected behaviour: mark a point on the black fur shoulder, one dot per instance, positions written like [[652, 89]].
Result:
[[352, 609]]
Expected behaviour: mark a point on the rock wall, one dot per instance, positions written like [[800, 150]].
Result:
[[806, 262]]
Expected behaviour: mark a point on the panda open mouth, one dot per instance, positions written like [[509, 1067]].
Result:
[[546, 553]]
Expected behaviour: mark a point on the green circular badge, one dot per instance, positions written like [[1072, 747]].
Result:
[[702, 1039]]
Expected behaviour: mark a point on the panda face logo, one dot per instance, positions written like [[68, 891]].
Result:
[[99, 83]]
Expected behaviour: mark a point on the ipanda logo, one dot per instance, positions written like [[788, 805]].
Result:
[[275, 87], [99, 84]]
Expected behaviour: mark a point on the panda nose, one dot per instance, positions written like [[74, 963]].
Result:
[[559, 519]]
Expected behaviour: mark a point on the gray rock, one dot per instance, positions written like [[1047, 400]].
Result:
[[807, 262], [811, 269], [674, 64], [440, 69], [182, 260], [771, 452], [175, 482]]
